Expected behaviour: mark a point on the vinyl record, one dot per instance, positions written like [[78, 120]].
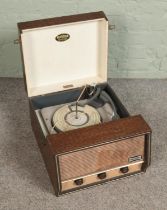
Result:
[[65, 118]]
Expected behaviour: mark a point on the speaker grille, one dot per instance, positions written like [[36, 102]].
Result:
[[100, 158]]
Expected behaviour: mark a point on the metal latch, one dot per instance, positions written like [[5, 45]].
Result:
[[111, 27], [17, 41]]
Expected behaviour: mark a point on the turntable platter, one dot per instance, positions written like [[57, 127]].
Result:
[[65, 118]]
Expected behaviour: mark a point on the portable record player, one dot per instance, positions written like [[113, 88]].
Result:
[[85, 134]]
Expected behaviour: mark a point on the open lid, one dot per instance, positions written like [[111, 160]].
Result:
[[65, 52]]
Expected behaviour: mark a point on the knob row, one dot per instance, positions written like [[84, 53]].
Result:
[[102, 175]]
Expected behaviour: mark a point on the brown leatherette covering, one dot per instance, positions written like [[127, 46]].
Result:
[[48, 158], [98, 134], [60, 20]]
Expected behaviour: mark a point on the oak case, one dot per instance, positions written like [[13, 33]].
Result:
[[95, 154]]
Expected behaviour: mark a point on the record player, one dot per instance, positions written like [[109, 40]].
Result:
[[85, 134]]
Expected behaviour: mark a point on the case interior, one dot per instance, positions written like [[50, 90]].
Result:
[[67, 96]]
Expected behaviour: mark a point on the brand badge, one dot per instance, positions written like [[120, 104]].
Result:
[[135, 158], [62, 37]]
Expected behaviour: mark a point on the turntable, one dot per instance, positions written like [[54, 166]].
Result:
[[85, 134], [98, 107]]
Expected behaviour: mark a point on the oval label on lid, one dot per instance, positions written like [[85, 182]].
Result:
[[62, 37]]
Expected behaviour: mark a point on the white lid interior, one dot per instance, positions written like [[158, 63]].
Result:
[[52, 66]]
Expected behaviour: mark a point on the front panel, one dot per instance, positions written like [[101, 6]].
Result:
[[103, 162]]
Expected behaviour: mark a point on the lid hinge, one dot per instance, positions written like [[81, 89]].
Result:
[[17, 41]]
